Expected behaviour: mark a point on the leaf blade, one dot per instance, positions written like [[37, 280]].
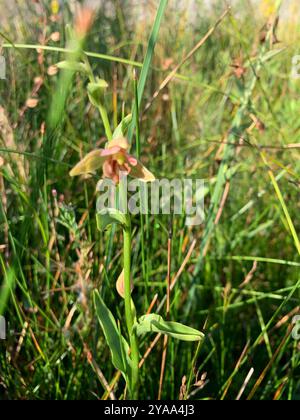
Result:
[[117, 344], [155, 323], [148, 59]]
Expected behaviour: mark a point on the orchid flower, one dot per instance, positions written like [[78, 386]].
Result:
[[113, 160]]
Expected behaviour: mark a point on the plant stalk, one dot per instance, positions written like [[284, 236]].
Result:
[[130, 316]]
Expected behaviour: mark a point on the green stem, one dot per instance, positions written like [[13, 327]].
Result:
[[130, 316], [105, 121]]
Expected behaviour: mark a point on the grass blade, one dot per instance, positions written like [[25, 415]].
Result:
[[147, 61]]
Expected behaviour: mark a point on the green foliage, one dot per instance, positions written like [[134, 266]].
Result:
[[122, 128], [155, 323], [96, 91], [73, 66], [107, 217], [245, 290], [117, 344]]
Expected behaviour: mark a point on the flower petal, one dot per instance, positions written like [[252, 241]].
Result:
[[90, 163], [111, 151], [131, 160], [141, 172], [120, 142], [109, 168]]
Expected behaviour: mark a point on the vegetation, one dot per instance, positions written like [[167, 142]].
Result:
[[211, 96]]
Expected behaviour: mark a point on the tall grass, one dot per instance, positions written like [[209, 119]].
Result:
[[236, 276]]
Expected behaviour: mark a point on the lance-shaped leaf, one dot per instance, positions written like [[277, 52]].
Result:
[[116, 342], [122, 128], [155, 323], [96, 91], [107, 217]]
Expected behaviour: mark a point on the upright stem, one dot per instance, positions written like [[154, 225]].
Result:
[[105, 121], [130, 316]]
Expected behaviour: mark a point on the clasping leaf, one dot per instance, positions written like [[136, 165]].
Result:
[[107, 217], [122, 128], [155, 323]]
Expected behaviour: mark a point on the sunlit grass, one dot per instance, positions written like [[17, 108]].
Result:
[[236, 277]]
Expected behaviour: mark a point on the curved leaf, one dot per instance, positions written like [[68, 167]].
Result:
[[118, 345], [122, 128], [155, 323], [107, 217]]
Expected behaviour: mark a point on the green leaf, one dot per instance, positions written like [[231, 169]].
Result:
[[107, 217], [72, 66], [271, 54], [148, 59], [6, 289], [122, 128], [116, 342], [155, 323], [96, 91]]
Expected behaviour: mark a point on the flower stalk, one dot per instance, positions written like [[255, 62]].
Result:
[[130, 316], [115, 162]]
